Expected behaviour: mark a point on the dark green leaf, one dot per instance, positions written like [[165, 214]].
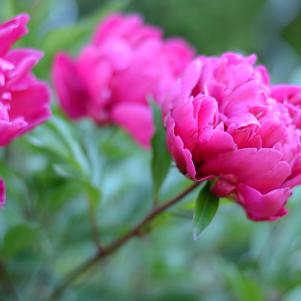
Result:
[[205, 209], [160, 156]]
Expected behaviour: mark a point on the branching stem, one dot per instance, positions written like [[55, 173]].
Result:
[[118, 243]]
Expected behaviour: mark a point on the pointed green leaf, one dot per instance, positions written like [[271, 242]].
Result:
[[160, 156], [205, 209]]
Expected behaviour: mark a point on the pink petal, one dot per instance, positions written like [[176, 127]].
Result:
[[31, 104], [71, 92], [23, 60], [289, 93], [213, 142], [136, 119], [182, 156], [261, 207], [96, 75], [9, 130], [130, 27], [2, 193], [190, 77], [262, 169], [11, 31], [186, 124], [178, 54], [245, 137]]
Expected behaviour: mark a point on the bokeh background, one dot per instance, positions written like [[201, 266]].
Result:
[[64, 177]]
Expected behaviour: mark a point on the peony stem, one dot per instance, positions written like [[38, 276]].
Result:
[[115, 245]]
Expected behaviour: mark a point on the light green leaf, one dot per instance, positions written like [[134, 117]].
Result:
[[43, 138], [77, 156], [205, 208], [65, 171], [8, 10], [160, 156]]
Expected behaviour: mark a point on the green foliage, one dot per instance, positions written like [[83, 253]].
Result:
[[160, 156], [18, 238], [243, 286], [205, 209]]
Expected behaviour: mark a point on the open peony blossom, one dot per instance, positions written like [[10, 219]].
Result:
[[24, 100], [126, 62], [225, 123]]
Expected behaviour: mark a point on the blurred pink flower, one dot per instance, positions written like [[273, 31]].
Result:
[[24, 100], [224, 124], [126, 62]]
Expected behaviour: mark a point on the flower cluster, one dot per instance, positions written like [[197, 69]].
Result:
[[126, 62], [24, 100], [226, 123]]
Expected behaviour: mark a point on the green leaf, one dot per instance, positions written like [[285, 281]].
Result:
[[8, 10], [65, 171], [71, 38], [160, 156], [77, 156], [205, 209], [243, 286], [45, 139], [18, 238], [93, 155]]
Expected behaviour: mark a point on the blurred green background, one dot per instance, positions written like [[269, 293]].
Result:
[[64, 176]]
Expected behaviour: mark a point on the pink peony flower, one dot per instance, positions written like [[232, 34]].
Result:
[[24, 100], [225, 124], [126, 62]]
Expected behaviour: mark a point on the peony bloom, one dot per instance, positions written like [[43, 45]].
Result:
[[225, 124], [24, 100], [126, 62]]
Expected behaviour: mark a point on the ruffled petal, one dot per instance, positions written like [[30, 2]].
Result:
[[263, 207], [182, 156], [262, 169], [11, 31]]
